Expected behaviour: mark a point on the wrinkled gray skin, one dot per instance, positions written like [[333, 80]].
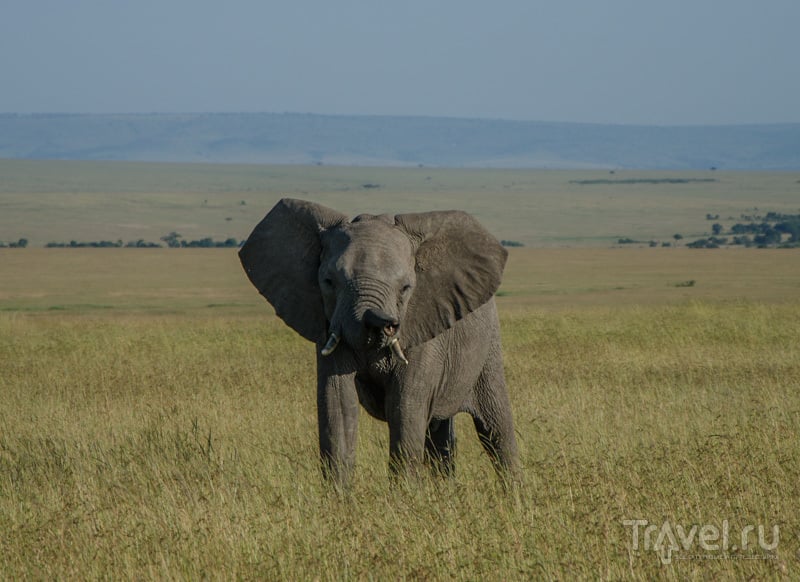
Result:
[[353, 287]]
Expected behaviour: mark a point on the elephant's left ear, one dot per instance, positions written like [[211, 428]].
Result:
[[459, 266]]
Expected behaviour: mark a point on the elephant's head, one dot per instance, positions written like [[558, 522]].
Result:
[[375, 281]]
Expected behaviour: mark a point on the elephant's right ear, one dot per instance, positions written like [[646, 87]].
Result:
[[282, 257]]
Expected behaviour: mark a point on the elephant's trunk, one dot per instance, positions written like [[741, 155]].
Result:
[[331, 344], [398, 351]]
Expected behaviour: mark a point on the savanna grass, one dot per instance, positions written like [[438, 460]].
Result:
[[143, 446]]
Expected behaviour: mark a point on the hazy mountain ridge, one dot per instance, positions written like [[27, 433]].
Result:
[[395, 141]]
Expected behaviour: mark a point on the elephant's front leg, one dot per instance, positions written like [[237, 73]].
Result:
[[408, 423], [337, 415]]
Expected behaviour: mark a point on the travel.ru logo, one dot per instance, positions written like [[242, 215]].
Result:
[[713, 542]]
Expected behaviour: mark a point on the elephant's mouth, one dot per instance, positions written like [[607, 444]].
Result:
[[389, 340], [375, 339], [386, 338]]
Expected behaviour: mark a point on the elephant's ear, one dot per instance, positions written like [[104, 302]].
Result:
[[281, 258], [459, 266]]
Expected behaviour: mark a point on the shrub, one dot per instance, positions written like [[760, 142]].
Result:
[[704, 243], [172, 239]]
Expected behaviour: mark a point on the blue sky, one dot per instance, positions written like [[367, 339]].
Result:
[[617, 61]]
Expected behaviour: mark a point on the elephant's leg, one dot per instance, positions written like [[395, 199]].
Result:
[[440, 444], [407, 428], [337, 416], [493, 419], [499, 443]]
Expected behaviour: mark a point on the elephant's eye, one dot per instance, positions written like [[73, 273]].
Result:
[[328, 283], [406, 288]]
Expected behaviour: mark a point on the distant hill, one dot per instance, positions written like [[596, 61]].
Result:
[[268, 138]]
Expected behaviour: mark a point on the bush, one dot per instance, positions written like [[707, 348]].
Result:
[[209, 243], [20, 244], [769, 236], [172, 239], [707, 243], [790, 227], [143, 244]]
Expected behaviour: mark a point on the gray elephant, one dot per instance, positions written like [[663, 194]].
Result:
[[402, 313]]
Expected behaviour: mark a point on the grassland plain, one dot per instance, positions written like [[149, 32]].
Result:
[[156, 421], [61, 201]]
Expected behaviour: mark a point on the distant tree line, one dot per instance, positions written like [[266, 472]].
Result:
[[172, 240], [103, 244]]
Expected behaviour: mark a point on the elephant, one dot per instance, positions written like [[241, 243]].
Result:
[[402, 312]]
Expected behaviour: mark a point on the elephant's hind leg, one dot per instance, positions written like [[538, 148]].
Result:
[[498, 444], [493, 419], [440, 445]]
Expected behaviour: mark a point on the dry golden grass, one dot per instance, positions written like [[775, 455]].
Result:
[[157, 422], [170, 446], [212, 281], [558, 278]]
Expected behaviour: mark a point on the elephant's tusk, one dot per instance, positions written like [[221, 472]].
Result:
[[328, 348], [398, 351]]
